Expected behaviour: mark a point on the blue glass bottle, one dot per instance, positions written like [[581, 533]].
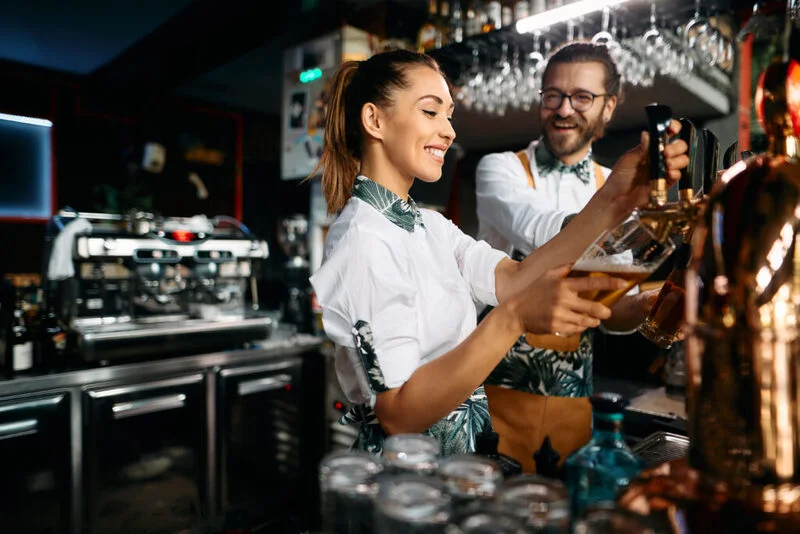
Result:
[[598, 471]]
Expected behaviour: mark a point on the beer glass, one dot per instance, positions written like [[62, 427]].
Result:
[[666, 316], [469, 478], [348, 486], [411, 453], [630, 251], [411, 504], [541, 503]]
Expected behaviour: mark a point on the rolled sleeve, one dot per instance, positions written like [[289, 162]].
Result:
[[477, 262], [507, 203]]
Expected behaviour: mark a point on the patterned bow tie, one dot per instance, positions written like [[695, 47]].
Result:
[[582, 169], [547, 162]]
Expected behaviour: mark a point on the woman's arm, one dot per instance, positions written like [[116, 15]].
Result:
[[435, 389], [627, 188]]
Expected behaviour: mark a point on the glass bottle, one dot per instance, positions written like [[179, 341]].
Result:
[[19, 345], [6, 323], [428, 33], [475, 18], [457, 23], [486, 445], [599, 470], [494, 16], [52, 336], [443, 24], [411, 453], [411, 504], [348, 488], [506, 16], [522, 9]]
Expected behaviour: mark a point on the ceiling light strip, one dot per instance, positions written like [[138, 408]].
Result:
[[557, 15]]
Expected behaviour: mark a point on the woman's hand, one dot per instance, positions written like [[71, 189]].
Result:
[[628, 186], [552, 304]]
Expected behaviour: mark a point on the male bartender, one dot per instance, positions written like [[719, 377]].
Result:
[[524, 199]]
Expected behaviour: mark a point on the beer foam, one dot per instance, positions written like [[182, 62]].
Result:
[[602, 266]]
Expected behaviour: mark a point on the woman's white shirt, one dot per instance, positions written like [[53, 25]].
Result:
[[416, 289]]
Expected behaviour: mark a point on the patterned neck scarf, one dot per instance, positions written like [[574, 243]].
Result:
[[404, 214], [547, 162]]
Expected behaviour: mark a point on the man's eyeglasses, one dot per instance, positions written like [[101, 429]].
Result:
[[580, 101]]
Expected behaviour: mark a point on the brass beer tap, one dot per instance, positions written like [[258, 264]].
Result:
[[671, 219]]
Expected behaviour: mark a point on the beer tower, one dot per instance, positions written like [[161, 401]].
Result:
[[743, 352]]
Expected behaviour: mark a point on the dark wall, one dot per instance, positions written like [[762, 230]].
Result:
[[268, 199]]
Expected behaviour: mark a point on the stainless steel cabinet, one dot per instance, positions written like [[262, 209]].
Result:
[[145, 456], [35, 453], [169, 446]]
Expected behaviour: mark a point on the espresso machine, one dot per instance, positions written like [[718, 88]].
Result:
[[137, 284], [293, 239]]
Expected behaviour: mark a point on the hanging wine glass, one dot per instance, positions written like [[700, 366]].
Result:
[[700, 36], [604, 36], [515, 82]]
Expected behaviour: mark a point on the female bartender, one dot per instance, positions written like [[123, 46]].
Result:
[[397, 284]]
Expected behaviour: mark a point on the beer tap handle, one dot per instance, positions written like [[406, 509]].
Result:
[[658, 118], [710, 160], [731, 156], [689, 175]]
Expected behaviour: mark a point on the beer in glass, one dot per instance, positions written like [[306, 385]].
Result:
[[630, 252], [667, 314]]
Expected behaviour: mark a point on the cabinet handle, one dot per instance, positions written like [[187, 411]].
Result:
[[18, 429], [145, 406], [264, 384]]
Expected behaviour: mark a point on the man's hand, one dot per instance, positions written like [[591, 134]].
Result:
[[631, 311], [628, 186]]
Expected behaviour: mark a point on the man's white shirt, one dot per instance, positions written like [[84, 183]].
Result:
[[512, 214]]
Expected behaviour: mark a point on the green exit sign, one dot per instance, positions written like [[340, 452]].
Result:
[[310, 75]]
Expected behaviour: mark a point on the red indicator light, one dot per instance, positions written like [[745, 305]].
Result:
[[338, 405], [288, 387], [182, 236]]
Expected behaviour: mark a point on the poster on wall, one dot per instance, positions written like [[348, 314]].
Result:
[[307, 78], [307, 73]]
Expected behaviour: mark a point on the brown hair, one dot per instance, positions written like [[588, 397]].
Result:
[[585, 52], [355, 84]]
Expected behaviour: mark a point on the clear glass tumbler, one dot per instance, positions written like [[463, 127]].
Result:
[[348, 488]]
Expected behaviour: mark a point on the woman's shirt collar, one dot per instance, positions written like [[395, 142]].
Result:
[[405, 215]]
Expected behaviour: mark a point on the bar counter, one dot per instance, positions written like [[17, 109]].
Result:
[[280, 345]]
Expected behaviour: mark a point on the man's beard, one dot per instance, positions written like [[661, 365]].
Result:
[[587, 132]]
